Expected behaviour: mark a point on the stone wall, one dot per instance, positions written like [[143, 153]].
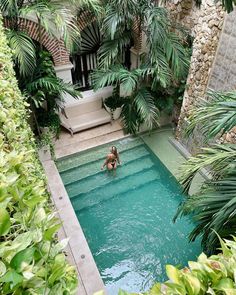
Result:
[[184, 12], [223, 74], [205, 25]]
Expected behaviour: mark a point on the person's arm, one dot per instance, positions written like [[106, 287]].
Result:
[[104, 164], [118, 159]]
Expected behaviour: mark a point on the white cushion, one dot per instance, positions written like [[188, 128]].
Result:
[[83, 107], [89, 120]]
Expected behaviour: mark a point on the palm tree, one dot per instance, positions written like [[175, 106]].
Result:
[[44, 91], [213, 208], [165, 61]]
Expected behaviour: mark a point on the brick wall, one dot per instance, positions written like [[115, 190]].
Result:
[[55, 46]]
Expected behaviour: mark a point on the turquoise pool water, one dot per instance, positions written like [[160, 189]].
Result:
[[127, 217]]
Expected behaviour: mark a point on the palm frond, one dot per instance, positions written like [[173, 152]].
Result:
[[130, 117], [158, 23], [213, 210], [220, 159], [93, 6], [51, 84], [57, 20], [120, 19], [103, 77], [215, 116], [8, 7], [158, 69], [176, 55], [145, 106], [128, 80], [111, 22], [117, 75], [111, 50], [23, 51], [166, 50]]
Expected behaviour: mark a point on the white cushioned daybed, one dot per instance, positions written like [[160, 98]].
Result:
[[85, 113]]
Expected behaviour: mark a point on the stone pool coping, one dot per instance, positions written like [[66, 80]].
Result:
[[78, 250], [183, 151]]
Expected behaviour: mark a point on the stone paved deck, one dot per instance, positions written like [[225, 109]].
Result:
[[67, 145]]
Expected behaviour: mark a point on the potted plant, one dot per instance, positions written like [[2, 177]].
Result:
[[113, 104]]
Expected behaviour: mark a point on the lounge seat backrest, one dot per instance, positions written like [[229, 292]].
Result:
[[83, 106]]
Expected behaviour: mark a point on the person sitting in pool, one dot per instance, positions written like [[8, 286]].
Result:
[[111, 159]]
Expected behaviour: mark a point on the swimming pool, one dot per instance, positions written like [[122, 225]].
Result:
[[127, 218]]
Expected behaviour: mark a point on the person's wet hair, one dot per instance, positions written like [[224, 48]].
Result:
[[114, 150]]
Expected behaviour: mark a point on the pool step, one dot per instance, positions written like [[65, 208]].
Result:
[[101, 179], [98, 195], [94, 167], [86, 206], [97, 153]]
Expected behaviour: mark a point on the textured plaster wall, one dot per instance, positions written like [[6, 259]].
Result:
[[223, 74]]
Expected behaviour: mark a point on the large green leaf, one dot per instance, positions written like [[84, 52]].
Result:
[[48, 234], [11, 277], [24, 256], [173, 273], [5, 222], [3, 268]]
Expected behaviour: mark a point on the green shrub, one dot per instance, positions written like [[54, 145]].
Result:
[[114, 101], [31, 258]]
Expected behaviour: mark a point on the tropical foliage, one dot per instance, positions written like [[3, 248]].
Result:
[[165, 61], [213, 208], [214, 275], [31, 258], [45, 92], [34, 67], [51, 16], [216, 115]]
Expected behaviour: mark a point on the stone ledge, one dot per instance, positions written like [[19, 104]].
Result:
[[88, 274], [184, 152]]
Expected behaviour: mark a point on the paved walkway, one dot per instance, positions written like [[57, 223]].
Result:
[[67, 145]]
